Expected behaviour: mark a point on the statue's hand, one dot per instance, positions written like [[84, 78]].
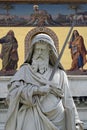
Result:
[[43, 90], [77, 127]]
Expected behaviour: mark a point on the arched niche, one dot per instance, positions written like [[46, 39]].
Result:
[[36, 31]]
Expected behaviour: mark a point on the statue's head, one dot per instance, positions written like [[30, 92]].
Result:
[[40, 57], [45, 38], [42, 52]]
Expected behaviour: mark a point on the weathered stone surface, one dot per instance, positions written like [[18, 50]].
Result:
[[78, 86]]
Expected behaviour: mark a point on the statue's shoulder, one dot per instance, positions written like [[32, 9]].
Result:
[[24, 65], [61, 72], [20, 74]]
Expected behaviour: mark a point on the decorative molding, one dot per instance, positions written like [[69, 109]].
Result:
[[36, 31], [46, 1], [80, 101]]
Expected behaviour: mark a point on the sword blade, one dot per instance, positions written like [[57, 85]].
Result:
[[61, 53]]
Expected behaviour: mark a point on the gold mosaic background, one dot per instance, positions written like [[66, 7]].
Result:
[[20, 33]]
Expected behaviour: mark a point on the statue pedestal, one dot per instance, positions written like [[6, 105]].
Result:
[[3, 113], [78, 86], [4, 80]]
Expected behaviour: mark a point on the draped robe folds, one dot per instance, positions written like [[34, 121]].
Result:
[[32, 112]]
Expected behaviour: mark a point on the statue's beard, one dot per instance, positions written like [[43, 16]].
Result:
[[40, 63]]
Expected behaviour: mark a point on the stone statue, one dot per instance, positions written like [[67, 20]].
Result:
[[9, 54], [35, 103]]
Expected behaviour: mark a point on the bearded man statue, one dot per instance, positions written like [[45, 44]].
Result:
[[35, 103]]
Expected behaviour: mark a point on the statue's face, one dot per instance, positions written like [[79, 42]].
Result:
[[41, 49], [40, 58]]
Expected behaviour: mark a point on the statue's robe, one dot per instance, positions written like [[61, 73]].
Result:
[[33, 112]]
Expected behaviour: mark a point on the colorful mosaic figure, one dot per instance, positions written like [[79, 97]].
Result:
[[78, 51], [9, 54]]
